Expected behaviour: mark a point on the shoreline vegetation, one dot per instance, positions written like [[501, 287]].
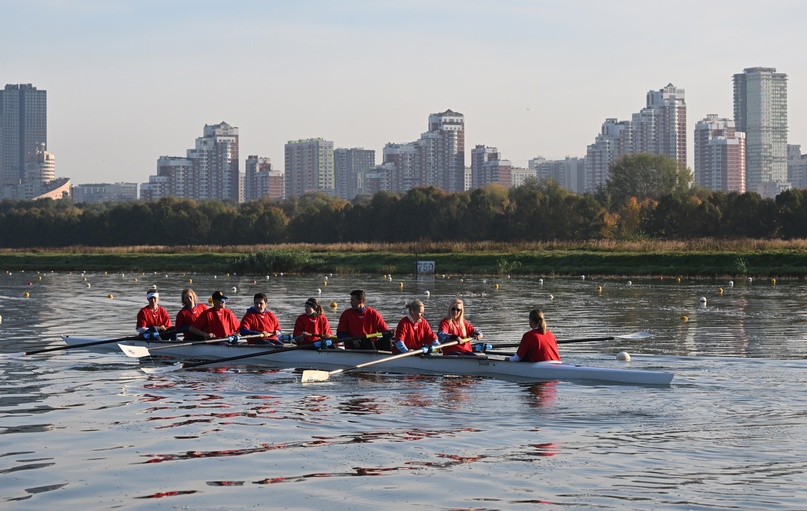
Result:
[[693, 258]]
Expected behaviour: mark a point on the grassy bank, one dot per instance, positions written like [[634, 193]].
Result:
[[701, 258]]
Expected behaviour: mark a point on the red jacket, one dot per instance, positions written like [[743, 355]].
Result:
[[222, 323], [538, 347]]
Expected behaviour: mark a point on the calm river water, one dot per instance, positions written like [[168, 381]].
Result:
[[89, 431]]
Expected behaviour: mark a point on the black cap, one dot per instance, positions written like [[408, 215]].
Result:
[[218, 295], [312, 302]]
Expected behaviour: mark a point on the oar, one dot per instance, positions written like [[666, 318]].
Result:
[[177, 367], [635, 335], [69, 346], [190, 365], [142, 351], [312, 375]]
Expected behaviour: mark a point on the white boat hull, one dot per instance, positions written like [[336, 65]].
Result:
[[330, 359]]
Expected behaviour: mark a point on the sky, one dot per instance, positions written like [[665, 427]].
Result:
[[130, 81]]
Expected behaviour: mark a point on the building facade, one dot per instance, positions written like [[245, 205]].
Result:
[[661, 126], [568, 173], [309, 167], [760, 111], [487, 167], [719, 155], [209, 171], [105, 192], [349, 167], [443, 152], [261, 180], [796, 166], [615, 140], [23, 129]]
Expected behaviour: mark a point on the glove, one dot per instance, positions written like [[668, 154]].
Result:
[[322, 344], [146, 335], [233, 339], [387, 334], [482, 347], [454, 337], [153, 329], [426, 350]]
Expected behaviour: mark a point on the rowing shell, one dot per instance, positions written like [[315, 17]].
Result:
[[330, 359]]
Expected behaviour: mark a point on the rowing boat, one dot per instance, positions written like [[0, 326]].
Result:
[[331, 359]]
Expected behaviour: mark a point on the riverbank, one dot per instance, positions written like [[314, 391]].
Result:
[[701, 258]]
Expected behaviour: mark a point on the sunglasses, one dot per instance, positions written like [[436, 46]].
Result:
[[456, 309]]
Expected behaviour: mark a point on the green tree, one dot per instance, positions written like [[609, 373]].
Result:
[[646, 175]]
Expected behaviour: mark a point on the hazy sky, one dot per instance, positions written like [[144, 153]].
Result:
[[130, 81]]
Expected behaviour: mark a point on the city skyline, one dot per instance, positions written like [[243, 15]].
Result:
[[531, 78]]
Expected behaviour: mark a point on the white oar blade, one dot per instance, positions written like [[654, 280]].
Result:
[[312, 375], [162, 369], [635, 335], [134, 351], [12, 355]]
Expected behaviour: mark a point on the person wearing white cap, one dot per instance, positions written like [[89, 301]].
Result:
[[153, 318]]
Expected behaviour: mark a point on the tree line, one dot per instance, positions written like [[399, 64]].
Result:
[[647, 197]]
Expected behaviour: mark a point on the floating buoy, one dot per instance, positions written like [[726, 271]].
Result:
[[83, 280], [750, 279], [134, 279], [39, 277], [551, 297], [426, 293], [702, 299], [281, 274], [235, 289], [319, 291], [326, 277], [324, 282], [333, 305], [720, 290], [30, 284], [190, 281], [210, 300], [731, 283], [89, 285], [26, 294], [254, 281], [540, 282], [684, 319], [495, 286], [109, 295], [226, 274], [630, 283], [678, 280], [624, 356], [1, 319], [582, 277], [400, 284], [773, 282]]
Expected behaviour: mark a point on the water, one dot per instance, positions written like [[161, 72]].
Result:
[[90, 430]]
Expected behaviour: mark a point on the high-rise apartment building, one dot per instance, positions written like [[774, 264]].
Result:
[[569, 173], [796, 166], [760, 111], [719, 155], [23, 129], [400, 170], [309, 167], [661, 126], [209, 171], [443, 152], [261, 180], [615, 140], [349, 165], [487, 167]]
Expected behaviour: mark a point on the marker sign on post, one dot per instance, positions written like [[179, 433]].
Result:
[[425, 267]]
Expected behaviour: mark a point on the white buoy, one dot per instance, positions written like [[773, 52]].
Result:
[[750, 279], [702, 299], [426, 293], [319, 291], [551, 297], [235, 289], [1, 319], [541, 282], [582, 277], [630, 283], [731, 283], [624, 356]]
